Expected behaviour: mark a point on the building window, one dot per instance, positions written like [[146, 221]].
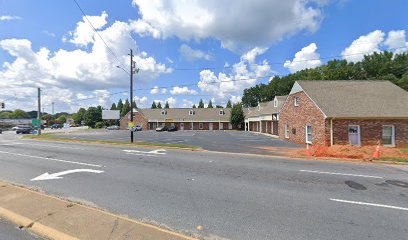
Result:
[[308, 133], [297, 101], [222, 112], [191, 112], [286, 131], [200, 125], [164, 112], [388, 135], [275, 103]]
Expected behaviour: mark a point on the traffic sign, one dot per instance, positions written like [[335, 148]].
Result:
[[36, 123]]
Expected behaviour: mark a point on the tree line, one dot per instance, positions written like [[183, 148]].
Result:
[[377, 66], [200, 105]]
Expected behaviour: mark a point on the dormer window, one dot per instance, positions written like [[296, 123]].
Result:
[[222, 112], [275, 103], [191, 112], [164, 112], [297, 101]]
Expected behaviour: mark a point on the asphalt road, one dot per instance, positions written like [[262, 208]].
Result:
[[232, 196], [10, 232], [223, 141]]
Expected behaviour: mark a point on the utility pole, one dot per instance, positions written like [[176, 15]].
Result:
[[52, 108], [133, 70], [39, 111]]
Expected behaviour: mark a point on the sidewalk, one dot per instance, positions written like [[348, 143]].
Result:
[[54, 218]]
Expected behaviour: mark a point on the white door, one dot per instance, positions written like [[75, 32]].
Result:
[[388, 135], [181, 126], [229, 126], [191, 126], [354, 135], [210, 126], [221, 126]]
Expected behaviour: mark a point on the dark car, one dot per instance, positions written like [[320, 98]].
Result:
[[172, 129], [161, 129], [24, 130], [56, 126]]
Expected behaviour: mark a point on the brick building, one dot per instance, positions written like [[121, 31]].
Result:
[[182, 118], [264, 117], [345, 112]]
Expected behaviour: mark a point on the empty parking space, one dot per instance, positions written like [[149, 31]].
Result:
[[224, 141]]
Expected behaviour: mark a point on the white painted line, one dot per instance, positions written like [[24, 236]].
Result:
[[343, 174], [142, 154], [52, 159], [53, 146], [369, 204], [10, 144], [58, 175]]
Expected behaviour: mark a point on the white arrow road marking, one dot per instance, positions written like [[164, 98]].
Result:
[[369, 204], [47, 176], [52, 159], [146, 153], [343, 174]]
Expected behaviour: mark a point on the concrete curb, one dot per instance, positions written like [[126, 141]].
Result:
[[55, 218]]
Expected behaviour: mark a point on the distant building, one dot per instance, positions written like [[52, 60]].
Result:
[[345, 112], [264, 118], [182, 118]]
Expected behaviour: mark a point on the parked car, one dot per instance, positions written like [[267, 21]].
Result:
[[113, 127], [136, 128], [56, 126], [24, 130], [172, 129], [161, 129]]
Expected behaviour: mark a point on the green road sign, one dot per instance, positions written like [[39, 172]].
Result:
[[36, 123]]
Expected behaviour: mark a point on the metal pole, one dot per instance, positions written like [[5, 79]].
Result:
[[131, 93], [52, 108], [39, 111]]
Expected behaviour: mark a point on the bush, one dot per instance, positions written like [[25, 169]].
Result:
[[100, 125]]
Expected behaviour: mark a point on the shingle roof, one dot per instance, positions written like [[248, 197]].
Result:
[[266, 108], [182, 114], [358, 99]]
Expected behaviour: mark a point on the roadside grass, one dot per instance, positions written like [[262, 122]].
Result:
[[405, 150], [54, 137], [395, 159]]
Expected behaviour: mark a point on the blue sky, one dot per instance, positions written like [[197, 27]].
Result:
[[194, 49]]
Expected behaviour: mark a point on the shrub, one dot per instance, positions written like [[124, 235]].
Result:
[[100, 125]]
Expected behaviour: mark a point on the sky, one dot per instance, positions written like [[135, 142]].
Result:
[[185, 50]]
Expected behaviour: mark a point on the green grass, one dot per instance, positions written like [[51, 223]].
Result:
[[390, 159], [404, 150], [54, 137]]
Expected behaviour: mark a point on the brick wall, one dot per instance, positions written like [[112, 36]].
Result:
[[370, 131], [297, 118], [138, 119]]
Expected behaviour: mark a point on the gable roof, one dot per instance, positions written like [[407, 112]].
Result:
[[182, 114], [357, 98], [266, 108]]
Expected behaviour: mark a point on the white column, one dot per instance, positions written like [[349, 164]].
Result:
[[260, 126], [266, 125]]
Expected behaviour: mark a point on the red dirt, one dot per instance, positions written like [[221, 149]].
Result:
[[351, 152]]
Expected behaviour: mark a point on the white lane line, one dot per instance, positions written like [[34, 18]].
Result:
[[343, 174], [142, 154], [369, 204], [52, 159], [9, 144]]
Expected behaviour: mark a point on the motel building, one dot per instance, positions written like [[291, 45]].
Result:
[[182, 118], [264, 118], [345, 112]]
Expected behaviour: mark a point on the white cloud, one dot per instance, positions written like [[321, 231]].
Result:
[[307, 57], [80, 71], [156, 90], [84, 33], [187, 103], [141, 102], [244, 74], [396, 41], [364, 45], [238, 26], [8, 18], [182, 90], [48, 33], [193, 54]]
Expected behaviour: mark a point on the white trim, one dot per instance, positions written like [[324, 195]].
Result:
[[287, 133], [392, 135], [359, 134], [311, 132], [296, 100]]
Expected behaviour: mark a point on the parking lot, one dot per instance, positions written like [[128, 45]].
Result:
[[224, 141]]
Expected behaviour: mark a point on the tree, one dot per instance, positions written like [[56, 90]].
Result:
[[81, 115], [210, 104], [5, 114], [167, 105], [134, 104], [201, 104], [159, 105], [218, 106], [125, 109], [119, 106], [92, 116], [113, 107], [18, 113], [62, 119], [229, 104], [154, 105], [237, 115], [194, 106]]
